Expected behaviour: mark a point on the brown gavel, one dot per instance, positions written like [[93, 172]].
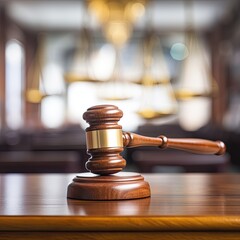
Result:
[[105, 141]]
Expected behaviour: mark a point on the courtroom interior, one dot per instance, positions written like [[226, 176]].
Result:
[[171, 66]]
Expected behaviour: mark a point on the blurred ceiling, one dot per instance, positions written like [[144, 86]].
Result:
[[160, 14]]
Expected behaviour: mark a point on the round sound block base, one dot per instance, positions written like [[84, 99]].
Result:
[[119, 186]]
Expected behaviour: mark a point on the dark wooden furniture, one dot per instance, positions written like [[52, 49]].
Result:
[[188, 206], [43, 151], [40, 162], [154, 160]]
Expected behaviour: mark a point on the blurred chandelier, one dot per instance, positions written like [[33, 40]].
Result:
[[116, 19]]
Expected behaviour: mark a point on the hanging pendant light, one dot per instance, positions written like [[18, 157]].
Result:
[[196, 85], [158, 98], [195, 78]]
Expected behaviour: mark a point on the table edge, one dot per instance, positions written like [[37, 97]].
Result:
[[119, 223]]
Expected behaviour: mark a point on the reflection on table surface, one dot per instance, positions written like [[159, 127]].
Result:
[[172, 194]]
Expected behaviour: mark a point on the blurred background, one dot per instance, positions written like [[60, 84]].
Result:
[[173, 67]]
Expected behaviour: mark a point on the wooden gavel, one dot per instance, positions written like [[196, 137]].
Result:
[[105, 141]]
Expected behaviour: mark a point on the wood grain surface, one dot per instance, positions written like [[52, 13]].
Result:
[[180, 205], [119, 186]]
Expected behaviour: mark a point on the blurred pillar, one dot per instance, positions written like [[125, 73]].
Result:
[[220, 74], [3, 27], [32, 111], [221, 42]]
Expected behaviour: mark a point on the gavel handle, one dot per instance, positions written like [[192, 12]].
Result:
[[194, 145]]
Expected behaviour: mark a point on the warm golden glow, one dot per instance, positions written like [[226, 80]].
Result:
[[34, 96], [185, 94], [117, 17], [134, 10], [117, 32], [100, 10], [73, 77], [149, 81], [152, 114], [105, 138]]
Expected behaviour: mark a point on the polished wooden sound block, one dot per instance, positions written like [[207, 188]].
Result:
[[119, 186]]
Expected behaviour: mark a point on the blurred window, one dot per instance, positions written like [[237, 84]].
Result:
[[14, 83], [52, 111]]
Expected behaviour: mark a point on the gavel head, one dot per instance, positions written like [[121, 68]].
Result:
[[104, 139]]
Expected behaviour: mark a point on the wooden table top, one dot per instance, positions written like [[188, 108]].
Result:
[[178, 201]]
